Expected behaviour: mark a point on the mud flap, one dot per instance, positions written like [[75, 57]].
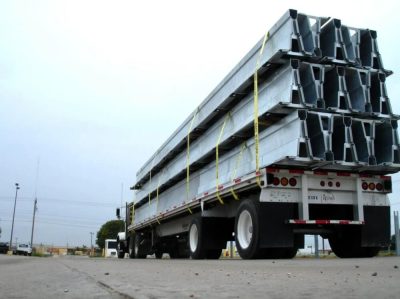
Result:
[[274, 232], [376, 231]]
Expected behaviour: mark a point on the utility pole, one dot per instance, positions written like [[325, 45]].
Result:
[[397, 232], [15, 203], [91, 242], [316, 245], [33, 221]]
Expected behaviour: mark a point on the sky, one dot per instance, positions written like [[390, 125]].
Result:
[[90, 89]]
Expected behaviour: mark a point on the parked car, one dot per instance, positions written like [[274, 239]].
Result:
[[4, 247]]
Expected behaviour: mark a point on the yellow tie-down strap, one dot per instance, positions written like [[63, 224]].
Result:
[[217, 158], [132, 213], [237, 163], [256, 132]]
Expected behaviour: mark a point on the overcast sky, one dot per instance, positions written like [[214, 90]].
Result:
[[91, 89]]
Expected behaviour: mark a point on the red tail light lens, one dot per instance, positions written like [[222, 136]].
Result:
[[371, 186], [292, 182], [276, 181], [364, 185], [338, 184], [379, 187], [284, 181]]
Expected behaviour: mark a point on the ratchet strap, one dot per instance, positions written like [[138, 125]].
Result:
[[217, 158], [237, 163], [256, 135]]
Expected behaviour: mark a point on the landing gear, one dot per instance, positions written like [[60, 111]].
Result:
[[140, 247], [120, 249], [131, 249]]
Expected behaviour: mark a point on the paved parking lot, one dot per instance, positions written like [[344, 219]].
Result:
[[83, 277]]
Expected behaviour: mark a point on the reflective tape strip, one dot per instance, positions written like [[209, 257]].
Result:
[[325, 222]]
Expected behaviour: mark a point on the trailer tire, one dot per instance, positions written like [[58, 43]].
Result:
[[196, 245], [139, 249], [247, 230], [131, 249], [349, 246]]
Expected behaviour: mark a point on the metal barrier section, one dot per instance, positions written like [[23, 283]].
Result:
[[336, 44], [378, 95], [356, 87], [335, 93], [362, 133], [317, 132], [386, 143], [369, 56]]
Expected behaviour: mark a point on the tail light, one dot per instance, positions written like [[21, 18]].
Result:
[[275, 181], [371, 186], [364, 186], [284, 181], [292, 182], [338, 184], [379, 187]]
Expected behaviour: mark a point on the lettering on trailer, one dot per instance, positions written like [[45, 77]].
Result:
[[322, 198], [313, 198], [281, 195], [327, 197]]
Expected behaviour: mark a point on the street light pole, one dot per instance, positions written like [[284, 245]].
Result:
[[33, 221], [15, 203]]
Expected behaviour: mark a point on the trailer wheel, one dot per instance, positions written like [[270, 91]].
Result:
[[131, 248], [195, 239], [247, 230], [139, 249]]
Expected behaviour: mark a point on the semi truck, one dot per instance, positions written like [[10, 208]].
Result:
[[299, 138]]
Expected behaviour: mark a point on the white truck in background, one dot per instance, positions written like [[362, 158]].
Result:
[[110, 248], [299, 138], [23, 249]]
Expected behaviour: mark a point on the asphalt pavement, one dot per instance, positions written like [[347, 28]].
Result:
[[83, 277]]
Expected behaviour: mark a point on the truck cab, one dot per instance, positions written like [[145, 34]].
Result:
[[110, 248], [24, 249]]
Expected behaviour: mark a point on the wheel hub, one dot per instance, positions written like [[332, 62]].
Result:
[[193, 238], [244, 229]]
